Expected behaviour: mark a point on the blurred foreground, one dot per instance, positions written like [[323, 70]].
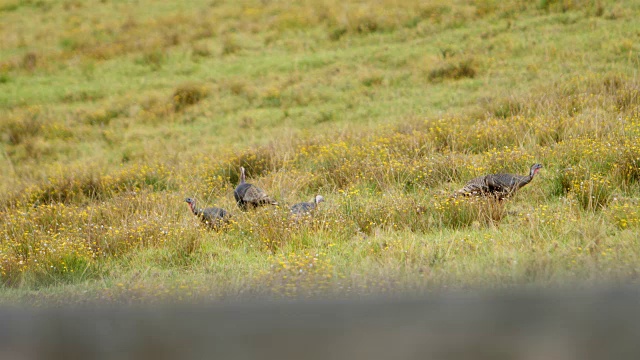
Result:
[[519, 324]]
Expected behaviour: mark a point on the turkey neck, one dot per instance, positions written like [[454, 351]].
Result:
[[242, 175], [524, 180], [194, 210], [532, 173]]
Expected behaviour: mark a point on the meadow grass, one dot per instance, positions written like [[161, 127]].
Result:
[[385, 109]]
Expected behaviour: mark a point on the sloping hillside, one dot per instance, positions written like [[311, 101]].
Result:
[[112, 113]]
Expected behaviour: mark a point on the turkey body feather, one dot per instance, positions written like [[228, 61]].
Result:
[[498, 185], [250, 196], [214, 217]]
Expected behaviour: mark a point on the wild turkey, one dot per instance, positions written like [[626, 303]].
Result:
[[500, 186], [213, 217], [250, 196], [304, 208]]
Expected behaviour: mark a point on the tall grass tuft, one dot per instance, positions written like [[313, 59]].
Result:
[[592, 193], [453, 70], [460, 212], [154, 58], [625, 213], [18, 129], [85, 185], [188, 94]]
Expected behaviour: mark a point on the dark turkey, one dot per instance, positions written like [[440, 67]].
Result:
[[500, 186], [250, 196], [213, 217], [304, 208]]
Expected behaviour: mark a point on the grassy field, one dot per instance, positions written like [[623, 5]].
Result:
[[113, 112]]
